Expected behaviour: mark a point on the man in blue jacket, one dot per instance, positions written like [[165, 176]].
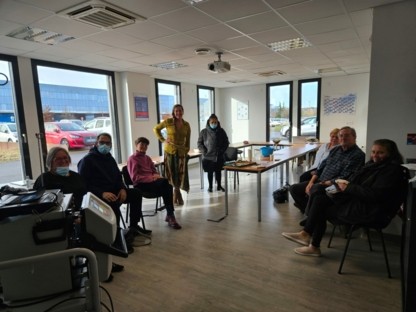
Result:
[[103, 178]]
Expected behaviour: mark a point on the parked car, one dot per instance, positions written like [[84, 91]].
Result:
[[99, 125], [77, 121], [69, 134], [8, 132], [278, 121], [307, 127]]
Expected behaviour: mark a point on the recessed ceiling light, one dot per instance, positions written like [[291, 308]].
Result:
[[290, 44], [328, 70], [169, 65]]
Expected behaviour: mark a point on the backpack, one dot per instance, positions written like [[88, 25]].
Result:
[[281, 195]]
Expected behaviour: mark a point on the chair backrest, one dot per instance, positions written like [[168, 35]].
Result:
[[231, 153], [126, 176]]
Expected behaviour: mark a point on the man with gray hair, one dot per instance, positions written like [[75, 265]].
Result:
[[342, 161]]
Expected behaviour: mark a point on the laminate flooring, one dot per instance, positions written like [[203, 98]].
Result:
[[240, 264]]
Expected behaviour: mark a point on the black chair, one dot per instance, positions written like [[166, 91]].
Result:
[[129, 183], [377, 226], [231, 154]]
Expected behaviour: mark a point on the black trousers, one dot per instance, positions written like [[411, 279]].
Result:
[[134, 198], [160, 187]]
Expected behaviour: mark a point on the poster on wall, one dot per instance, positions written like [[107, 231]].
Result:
[[242, 111], [342, 104], [141, 107], [411, 139]]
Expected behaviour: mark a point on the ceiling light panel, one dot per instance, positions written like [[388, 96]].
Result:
[[39, 35], [290, 44], [169, 65]]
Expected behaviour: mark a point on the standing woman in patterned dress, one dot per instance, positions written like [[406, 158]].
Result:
[[176, 148]]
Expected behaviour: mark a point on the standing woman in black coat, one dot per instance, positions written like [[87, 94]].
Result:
[[212, 143]]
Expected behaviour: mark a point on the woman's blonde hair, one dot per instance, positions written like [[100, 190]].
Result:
[[334, 131]]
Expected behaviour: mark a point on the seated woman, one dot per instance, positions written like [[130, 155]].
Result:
[[369, 195], [145, 177], [60, 177], [321, 155]]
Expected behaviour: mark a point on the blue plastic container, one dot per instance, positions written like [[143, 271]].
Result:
[[266, 151]]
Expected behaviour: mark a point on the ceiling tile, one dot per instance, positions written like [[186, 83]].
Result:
[[257, 23]]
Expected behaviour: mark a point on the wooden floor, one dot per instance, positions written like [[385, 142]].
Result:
[[240, 264]]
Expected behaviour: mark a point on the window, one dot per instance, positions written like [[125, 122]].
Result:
[[206, 104], [279, 109], [70, 95], [168, 93], [14, 152], [308, 107]]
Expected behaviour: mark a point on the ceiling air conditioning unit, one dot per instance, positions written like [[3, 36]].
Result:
[[101, 14], [219, 66]]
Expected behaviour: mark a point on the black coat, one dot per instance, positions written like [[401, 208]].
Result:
[[374, 194]]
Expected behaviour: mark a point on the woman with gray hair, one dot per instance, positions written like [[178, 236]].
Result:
[[60, 177]]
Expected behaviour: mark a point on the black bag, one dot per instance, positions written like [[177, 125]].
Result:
[[281, 195]]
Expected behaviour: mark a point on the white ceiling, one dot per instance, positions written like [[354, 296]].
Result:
[[339, 31]]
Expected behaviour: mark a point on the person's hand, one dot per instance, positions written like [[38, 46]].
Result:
[[168, 140], [308, 188], [326, 183], [122, 195], [342, 184], [110, 197], [156, 176]]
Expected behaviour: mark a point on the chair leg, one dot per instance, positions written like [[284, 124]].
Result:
[[334, 226], [346, 249], [367, 231], [385, 253]]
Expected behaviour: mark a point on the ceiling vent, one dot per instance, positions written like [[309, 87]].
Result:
[[272, 73], [101, 14]]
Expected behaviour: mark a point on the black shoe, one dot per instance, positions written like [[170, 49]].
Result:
[[117, 268], [220, 188], [130, 248], [137, 229], [109, 279], [210, 189]]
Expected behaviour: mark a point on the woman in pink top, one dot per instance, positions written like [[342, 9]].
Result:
[[145, 177]]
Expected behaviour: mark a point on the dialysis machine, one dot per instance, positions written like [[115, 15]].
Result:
[[48, 227]]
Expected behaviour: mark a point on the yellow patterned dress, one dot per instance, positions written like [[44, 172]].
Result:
[[176, 152]]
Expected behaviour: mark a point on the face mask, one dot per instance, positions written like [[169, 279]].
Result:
[[213, 126], [104, 149], [62, 171]]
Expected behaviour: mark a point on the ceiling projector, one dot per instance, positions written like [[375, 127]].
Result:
[[219, 66]]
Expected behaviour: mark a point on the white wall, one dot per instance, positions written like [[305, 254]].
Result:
[[334, 87], [392, 87]]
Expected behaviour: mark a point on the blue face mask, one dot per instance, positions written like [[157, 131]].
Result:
[[104, 149], [62, 171], [213, 126]]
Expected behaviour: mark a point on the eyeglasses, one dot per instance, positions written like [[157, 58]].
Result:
[[104, 142], [61, 159]]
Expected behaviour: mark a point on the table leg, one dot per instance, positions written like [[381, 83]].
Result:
[[226, 199], [259, 195], [287, 172]]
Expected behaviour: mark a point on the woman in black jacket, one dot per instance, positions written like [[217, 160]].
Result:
[[372, 194], [212, 143]]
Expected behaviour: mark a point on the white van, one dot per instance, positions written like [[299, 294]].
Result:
[[8, 132]]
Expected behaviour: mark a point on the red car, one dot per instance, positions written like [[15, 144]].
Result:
[[69, 134]]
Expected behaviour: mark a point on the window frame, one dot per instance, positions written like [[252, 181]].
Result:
[[212, 90], [318, 104]]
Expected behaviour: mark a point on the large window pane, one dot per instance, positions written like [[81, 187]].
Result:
[[205, 105], [279, 101], [167, 95], [12, 164], [76, 106], [309, 95]]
